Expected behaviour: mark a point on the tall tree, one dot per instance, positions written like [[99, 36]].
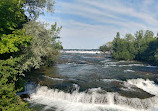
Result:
[[11, 15], [16, 39]]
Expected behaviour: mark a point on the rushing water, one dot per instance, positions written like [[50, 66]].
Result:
[[91, 81]]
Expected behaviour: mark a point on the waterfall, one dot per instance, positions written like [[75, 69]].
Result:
[[44, 95]]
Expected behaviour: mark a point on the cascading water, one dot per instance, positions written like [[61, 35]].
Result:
[[97, 84], [93, 97]]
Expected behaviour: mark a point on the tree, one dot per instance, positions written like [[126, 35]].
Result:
[[106, 47], [9, 100], [36, 7], [43, 49], [11, 44], [11, 16], [143, 46], [20, 44], [148, 35], [118, 35], [129, 37]]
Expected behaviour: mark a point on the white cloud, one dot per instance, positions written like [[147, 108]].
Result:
[[148, 2], [113, 17], [125, 10]]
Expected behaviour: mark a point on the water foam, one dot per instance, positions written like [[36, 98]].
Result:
[[123, 65], [82, 52], [57, 79], [145, 85], [76, 101], [149, 66], [128, 70], [111, 80], [130, 65], [94, 101]]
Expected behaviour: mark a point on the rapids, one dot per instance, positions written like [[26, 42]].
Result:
[[90, 81]]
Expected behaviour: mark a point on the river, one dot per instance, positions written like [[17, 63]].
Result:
[[91, 81]]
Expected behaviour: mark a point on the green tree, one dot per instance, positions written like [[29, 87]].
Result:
[[12, 43], [142, 43], [11, 15], [18, 45], [106, 47], [44, 47], [9, 69], [143, 46], [34, 8], [118, 35], [129, 37]]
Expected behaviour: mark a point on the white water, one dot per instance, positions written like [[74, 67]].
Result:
[[111, 80], [145, 85], [57, 79], [107, 63], [129, 70], [95, 101], [149, 66], [82, 52]]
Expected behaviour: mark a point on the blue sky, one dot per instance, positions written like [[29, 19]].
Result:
[[87, 24]]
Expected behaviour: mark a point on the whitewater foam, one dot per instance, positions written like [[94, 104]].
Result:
[[57, 79], [146, 85], [149, 66], [80, 101], [94, 101], [130, 65], [82, 52], [128, 70], [123, 65], [111, 80]]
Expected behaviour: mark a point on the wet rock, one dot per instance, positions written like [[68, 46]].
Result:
[[25, 96]]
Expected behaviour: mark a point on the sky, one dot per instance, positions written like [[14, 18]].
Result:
[[88, 24]]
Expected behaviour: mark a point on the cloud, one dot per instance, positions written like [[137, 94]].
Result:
[[148, 2], [120, 9], [101, 10], [98, 21]]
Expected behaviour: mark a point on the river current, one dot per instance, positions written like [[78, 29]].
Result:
[[92, 81]]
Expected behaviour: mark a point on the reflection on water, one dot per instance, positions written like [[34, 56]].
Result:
[[95, 79]]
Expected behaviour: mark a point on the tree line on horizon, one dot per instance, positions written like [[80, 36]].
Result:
[[142, 46], [25, 45]]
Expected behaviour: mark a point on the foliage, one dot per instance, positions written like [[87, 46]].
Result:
[[142, 46], [23, 47], [123, 48], [10, 45], [11, 15], [36, 7], [44, 48], [11, 42], [106, 47], [9, 100]]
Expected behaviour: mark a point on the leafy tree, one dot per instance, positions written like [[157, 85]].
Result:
[[11, 43], [129, 37], [36, 7], [9, 100], [105, 47], [148, 35], [44, 47], [143, 46], [11, 15], [118, 35], [122, 48], [23, 46], [142, 43]]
